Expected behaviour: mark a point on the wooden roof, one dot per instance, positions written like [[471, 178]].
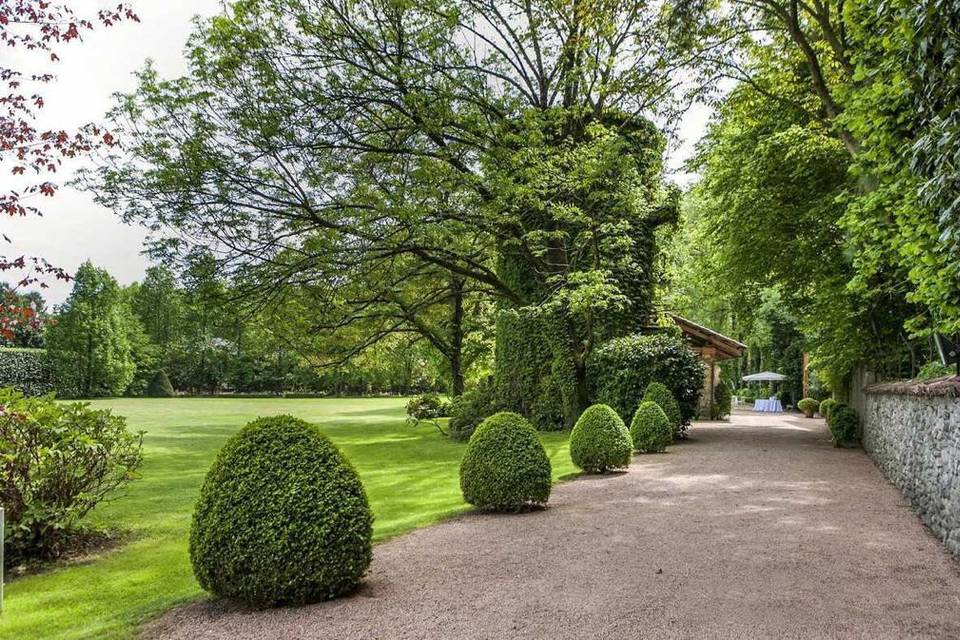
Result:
[[700, 336]]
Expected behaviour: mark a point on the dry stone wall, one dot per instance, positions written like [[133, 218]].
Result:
[[912, 431]]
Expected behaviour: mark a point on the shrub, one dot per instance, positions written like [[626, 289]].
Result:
[[428, 406], [650, 429], [505, 466], [468, 410], [844, 424], [58, 462], [746, 395], [26, 370], [160, 386], [826, 407], [659, 393], [600, 441], [282, 518], [722, 401], [809, 406], [620, 370], [934, 369]]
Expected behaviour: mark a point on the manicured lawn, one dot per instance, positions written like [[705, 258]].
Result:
[[410, 475]]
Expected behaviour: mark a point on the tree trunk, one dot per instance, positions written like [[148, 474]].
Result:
[[456, 337]]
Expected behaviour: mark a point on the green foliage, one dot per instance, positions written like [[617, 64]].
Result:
[[844, 424], [933, 369], [826, 406], [160, 386], [59, 461], [505, 466], [650, 429], [621, 369], [659, 393], [90, 345], [600, 440], [809, 406], [722, 402], [469, 409], [282, 518], [27, 370], [428, 406]]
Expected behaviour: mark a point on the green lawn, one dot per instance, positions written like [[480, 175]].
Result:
[[410, 475]]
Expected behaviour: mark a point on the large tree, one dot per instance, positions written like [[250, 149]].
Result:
[[441, 132]]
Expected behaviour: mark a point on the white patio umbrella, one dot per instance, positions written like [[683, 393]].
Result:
[[765, 376]]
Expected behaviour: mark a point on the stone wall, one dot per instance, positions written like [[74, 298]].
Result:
[[912, 431]]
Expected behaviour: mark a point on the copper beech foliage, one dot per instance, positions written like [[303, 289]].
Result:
[[27, 150]]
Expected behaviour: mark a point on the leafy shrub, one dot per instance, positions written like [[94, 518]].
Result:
[[282, 518], [620, 370], [809, 406], [505, 466], [160, 386], [600, 441], [746, 395], [26, 370], [844, 424], [722, 401], [827, 406], [427, 407], [659, 393], [57, 462], [650, 428], [934, 369], [468, 410]]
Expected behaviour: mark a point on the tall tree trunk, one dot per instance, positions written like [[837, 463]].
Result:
[[456, 337]]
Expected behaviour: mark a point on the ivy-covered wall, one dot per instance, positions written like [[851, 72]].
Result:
[[26, 370], [912, 431]]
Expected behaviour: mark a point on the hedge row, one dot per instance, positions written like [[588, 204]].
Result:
[[26, 370]]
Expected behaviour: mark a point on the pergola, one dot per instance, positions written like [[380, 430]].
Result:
[[712, 347]]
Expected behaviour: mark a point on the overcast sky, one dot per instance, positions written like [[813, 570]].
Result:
[[73, 228]]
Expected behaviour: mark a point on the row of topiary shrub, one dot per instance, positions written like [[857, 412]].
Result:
[[59, 461]]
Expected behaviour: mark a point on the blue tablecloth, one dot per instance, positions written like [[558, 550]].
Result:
[[772, 405]]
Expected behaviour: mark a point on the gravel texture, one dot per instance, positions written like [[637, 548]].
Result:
[[755, 529]]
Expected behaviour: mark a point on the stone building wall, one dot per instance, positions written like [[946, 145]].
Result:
[[912, 431]]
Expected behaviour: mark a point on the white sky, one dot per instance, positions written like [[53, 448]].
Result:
[[73, 228]]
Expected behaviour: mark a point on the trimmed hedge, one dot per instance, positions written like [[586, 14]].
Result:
[[722, 402], [657, 392], [600, 441], [650, 429], [844, 424], [826, 407], [809, 406], [621, 369], [282, 518], [160, 386], [505, 466], [26, 370]]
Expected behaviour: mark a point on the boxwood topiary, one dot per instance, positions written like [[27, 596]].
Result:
[[160, 386], [809, 406], [600, 441], [826, 407], [650, 428], [282, 518], [844, 424], [505, 466], [659, 393]]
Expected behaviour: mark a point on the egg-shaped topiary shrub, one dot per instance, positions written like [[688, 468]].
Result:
[[159, 386], [650, 429], [809, 406], [826, 407], [600, 441], [844, 423], [505, 467], [659, 393], [282, 518]]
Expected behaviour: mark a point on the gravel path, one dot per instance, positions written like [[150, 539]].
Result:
[[756, 529]]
